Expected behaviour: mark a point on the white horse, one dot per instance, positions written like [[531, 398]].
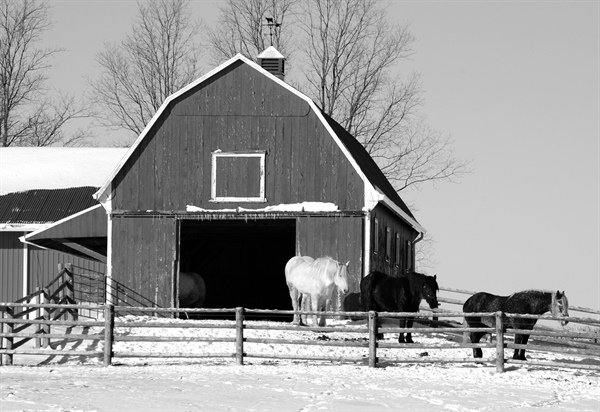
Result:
[[316, 278]]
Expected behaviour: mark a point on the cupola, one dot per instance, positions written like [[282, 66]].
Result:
[[272, 61]]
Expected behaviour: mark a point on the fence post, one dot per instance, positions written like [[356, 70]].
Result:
[[45, 316], [8, 314], [372, 339], [109, 325], [499, 343], [239, 335]]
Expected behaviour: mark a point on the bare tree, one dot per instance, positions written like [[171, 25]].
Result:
[[351, 53], [160, 56], [242, 28], [28, 116]]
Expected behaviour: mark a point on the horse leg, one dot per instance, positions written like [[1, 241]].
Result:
[[520, 353], [409, 324], [315, 300], [304, 306], [523, 342], [401, 324], [323, 308], [295, 300], [475, 337]]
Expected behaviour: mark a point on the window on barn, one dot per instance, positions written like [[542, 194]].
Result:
[[388, 244], [376, 236], [409, 256], [238, 176], [397, 261]]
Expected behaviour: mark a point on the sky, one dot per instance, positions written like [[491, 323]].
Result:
[[516, 85]]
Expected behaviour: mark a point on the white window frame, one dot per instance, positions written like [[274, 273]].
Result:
[[213, 189]]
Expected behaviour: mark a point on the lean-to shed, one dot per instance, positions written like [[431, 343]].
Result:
[[235, 174], [40, 186]]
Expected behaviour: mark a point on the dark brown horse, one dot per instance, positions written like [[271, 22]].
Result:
[[192, 290], [531, 302], [381, 292]]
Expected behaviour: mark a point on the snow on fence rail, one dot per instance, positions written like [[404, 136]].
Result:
[[240, 338]]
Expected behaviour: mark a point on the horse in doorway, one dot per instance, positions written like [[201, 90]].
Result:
[[381, 292], [314, 278], [530, 302], [192, 290]]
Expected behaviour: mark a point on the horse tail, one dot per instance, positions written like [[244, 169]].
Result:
[[364, 298], [469, 305], [367, 285]]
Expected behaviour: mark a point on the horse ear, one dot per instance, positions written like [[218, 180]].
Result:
[[347, 263], [435, 276]]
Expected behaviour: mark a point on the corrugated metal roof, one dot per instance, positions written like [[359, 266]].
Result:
[[44, 205]]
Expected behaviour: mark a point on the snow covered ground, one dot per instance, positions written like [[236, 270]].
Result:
[[59, 383]]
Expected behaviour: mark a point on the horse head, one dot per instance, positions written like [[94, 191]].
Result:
[[560, 306], [341, 277], [430, 289]]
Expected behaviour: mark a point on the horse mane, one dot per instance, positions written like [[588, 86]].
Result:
[[320, 265], [421, 280], [531, 291]]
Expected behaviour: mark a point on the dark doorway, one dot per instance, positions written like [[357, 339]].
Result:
[[242, 262]]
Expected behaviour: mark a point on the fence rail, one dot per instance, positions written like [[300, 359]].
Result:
[[471, 293], [239, 334]]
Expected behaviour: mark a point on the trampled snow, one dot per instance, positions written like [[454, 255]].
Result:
[[59, 383]]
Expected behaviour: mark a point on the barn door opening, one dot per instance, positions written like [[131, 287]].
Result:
[[242, 262]]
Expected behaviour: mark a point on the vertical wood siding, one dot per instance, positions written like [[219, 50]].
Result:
[[340, 238], [42, 265], [379, 260], [239, 110], [11, 266], [146, 258]]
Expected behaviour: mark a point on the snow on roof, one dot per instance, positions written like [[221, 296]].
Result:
[[270, 53], [28, 168], [294, 207]]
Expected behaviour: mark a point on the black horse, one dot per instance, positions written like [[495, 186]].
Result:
[[381, 292], [531, 302]]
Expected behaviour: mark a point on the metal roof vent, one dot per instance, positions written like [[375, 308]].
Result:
[[272, 61]]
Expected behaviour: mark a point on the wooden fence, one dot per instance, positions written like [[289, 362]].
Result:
[[460, 302], [582, 344]]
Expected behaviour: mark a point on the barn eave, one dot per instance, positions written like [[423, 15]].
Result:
[[67, 236]]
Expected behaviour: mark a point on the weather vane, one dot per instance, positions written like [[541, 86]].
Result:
[[271, 24]]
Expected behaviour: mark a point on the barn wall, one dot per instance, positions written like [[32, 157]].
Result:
[[383, 246], [143, 261], [43, 266], [11, 266], [338, 237], [237, 110]]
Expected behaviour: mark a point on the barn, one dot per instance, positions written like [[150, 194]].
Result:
[[235, 174], [35, 197]]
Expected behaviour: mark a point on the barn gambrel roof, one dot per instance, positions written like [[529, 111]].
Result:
[[377, 188]]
